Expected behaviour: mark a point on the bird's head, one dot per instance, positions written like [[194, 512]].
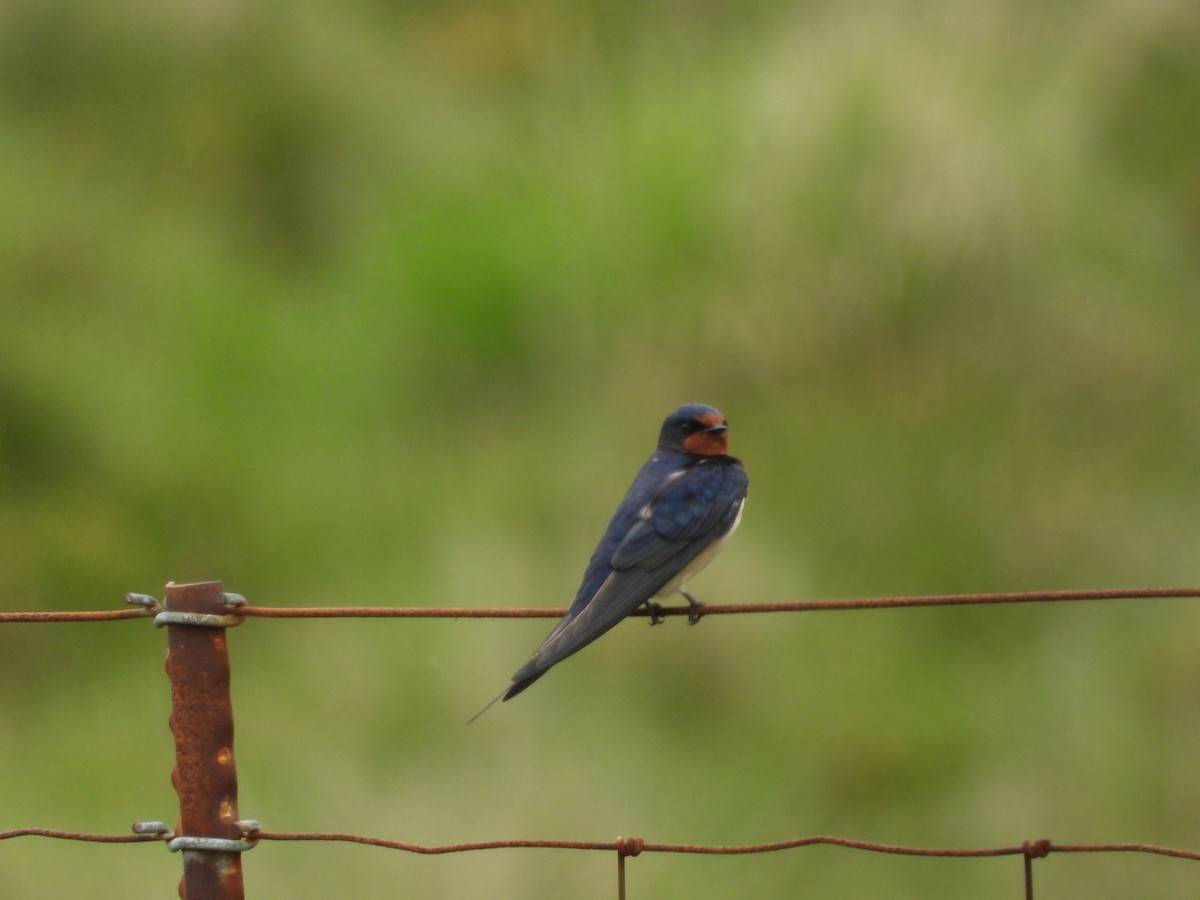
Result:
[[696, 429]]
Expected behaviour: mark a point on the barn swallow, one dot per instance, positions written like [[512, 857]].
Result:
[[682, 506]]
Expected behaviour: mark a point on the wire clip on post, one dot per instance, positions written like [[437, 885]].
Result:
[[148, 604], [209, 833], [249, 828], [228, 619]]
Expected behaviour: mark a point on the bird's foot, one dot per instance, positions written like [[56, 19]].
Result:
[[694, 607], [656, 613]]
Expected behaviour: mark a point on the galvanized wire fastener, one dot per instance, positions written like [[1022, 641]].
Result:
[[209, 844], [207, 620], [248, 827], [148, 603], [162, 829]]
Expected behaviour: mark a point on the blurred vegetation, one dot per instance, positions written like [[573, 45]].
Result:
[[383, 304]]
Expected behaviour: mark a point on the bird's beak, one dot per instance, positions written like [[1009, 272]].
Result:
[[716, 429]]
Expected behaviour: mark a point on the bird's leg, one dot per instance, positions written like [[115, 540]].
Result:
[[694, 608], [655, 610]]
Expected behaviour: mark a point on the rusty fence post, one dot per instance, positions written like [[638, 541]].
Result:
[[209, 832]]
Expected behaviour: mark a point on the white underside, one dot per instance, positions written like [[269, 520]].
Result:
[[676, 584]]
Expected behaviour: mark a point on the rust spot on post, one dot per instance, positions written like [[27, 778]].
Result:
[[204, 776]]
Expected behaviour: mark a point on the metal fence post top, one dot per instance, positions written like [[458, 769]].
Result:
[[204, 588]]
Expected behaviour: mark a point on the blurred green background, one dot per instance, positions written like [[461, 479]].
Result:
[[382, 304]]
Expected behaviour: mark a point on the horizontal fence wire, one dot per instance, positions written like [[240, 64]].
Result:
[[79, 836], [470, 612], [635, 846], [1037, 849], [104, 615], [732, 609]]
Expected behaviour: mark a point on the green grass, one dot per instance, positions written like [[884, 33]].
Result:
[[384, 306]]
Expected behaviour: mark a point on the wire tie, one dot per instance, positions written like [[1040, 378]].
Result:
[[1038, 849], [143, 600], [205, 620], [248, 828], [209, 844], [159, 828], [233, 601], [630, 846]]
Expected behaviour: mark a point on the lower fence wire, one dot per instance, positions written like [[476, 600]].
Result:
[[78, 836], [222, 839], [636, 846]]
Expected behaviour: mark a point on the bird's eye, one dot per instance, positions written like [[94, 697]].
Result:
[[688, 427]]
